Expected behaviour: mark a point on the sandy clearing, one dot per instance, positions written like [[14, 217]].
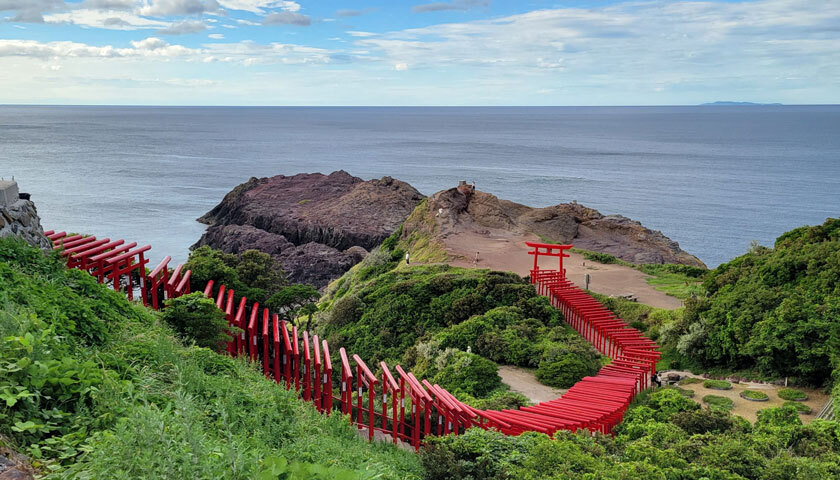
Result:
[[524, 381], [501, 250], [749, 409]]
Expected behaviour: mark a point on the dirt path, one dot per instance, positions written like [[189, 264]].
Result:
[[749, 409], [523, 381], [501, 250]]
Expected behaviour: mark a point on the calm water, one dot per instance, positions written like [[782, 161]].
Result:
[[711, 178]]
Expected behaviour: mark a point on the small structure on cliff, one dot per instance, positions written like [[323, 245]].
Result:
[[18, 216]]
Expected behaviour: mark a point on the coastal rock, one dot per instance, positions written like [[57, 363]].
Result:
[[451, 211], [310, 221], [20, 219]]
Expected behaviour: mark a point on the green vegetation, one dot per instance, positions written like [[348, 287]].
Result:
[[799, 406], [792, 394], [717, 384], [683, 391], [294, 300], [93, 387], [716, 402], [252, 273], [774, 310], [690, 380], [755, 395], [443, 321], [663, 436], [195, 318]]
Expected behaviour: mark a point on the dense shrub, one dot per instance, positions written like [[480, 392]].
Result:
[[469, 373], [562, 365], [196, 318], [774, 310], [252, 273]]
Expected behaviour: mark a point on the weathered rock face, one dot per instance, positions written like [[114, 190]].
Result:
[[317, 225], [584, 227], [20, 219]]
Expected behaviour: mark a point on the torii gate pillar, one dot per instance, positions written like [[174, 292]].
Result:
[[550, 250]]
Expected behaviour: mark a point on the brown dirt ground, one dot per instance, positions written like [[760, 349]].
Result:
[[749, 409], [524, 381], [501, 250]]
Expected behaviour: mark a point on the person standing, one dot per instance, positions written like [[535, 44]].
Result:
[[406, 258]]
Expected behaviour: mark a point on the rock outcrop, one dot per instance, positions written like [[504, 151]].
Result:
[[455, 210], [19, 217], [317, 225]]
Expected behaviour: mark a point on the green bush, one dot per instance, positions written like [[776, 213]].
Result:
[[469, 373], [792, 394], [717, 384], [703, 421], [690, 380], [196, 318], [562, 366], [252, 273], [716, 402]]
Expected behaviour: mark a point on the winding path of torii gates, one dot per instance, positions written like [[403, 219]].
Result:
[[400, 406]]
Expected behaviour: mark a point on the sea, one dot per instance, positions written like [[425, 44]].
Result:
[[713, 178]]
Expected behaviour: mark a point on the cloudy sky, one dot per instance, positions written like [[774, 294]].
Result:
[[397, 52]]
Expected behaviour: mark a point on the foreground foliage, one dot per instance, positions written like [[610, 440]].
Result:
[[664, 436], [95, 387]]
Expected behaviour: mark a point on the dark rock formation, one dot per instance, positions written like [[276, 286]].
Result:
[[317, 225], [20, 219], [586, 228]]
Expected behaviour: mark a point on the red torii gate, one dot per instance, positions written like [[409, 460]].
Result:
[[547, 249]]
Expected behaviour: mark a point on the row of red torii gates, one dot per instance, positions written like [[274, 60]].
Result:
[[401, 406]]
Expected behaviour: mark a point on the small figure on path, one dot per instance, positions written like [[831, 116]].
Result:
[[475, 262], [655, 379], [406, 258]]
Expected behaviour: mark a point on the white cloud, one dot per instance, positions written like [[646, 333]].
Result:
[[150, 47], [401, 67], [184, 28], [287, 18], [260, 6], [354, 33], [162, 8], [108, 19], [216, 36]]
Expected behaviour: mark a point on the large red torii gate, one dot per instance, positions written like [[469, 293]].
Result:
[[547, 249]]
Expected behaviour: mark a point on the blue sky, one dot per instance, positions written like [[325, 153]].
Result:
[[418, 52]]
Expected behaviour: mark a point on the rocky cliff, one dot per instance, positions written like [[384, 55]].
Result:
[[317, 225], [457, 210], [19, 218]]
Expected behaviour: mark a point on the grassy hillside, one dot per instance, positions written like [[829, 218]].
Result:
[[93, 387]]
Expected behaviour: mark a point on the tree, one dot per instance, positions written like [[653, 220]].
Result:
[[195, 317], [294, 300], [252, 273]]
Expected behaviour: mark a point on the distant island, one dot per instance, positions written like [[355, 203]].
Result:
[[740, 104]]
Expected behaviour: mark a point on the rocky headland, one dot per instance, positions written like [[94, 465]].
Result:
[[464, 211], [316, 225]]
